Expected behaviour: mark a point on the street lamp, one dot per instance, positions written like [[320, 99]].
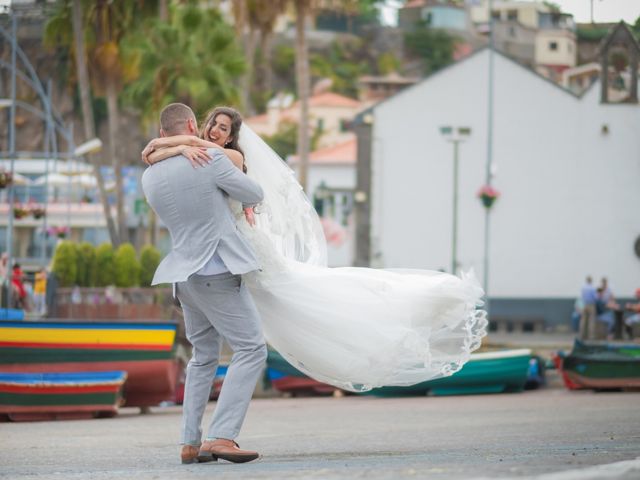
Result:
[[455, 135]]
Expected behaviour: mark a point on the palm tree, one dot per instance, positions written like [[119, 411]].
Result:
[[193, 58], [69, 18]]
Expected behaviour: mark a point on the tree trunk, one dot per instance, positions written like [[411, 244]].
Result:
[[163, 10], [250, 42], [116, 161], [267, 58], [302, 78], [87, 115]]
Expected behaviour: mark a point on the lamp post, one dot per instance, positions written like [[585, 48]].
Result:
[[455, 135]]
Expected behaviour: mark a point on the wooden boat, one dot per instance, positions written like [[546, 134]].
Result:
[[287, 379], [491, 372], [146, 350], [600, 366], [49, 396]]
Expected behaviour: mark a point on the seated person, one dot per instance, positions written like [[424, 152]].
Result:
[[605, 308], [634, 318]]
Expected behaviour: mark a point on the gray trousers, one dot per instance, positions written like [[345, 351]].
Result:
[[217, 307]]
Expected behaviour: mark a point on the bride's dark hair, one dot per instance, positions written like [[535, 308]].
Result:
[[236, 123]]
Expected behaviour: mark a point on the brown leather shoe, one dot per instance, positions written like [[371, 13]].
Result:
[[227, 450], [190, 454]]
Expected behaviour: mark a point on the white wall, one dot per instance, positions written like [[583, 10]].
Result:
[[570, 195]]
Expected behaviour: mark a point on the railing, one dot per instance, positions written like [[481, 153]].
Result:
[[114, 303]]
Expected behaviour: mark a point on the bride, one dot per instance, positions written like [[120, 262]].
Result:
[[354, 328]]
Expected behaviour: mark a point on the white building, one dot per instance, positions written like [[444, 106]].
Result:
[[567, 167]]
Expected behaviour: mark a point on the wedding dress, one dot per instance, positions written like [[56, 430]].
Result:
[[354, 328]]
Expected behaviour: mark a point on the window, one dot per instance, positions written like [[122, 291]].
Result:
[[495, 15], [512, 15], [320, 125], [553, 46], [345, 125]]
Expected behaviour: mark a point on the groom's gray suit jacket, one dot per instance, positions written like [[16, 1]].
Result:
[[193, 204]]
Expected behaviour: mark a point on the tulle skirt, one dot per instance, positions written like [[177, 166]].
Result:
[[361, 328]]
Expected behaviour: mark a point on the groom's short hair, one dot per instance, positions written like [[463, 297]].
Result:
[[174, 117]]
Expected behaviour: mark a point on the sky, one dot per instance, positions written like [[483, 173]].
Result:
[[603, 10]]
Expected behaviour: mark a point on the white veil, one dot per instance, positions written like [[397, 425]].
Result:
[[286, 216]]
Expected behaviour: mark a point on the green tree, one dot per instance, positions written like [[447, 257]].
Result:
[[105, 267], [343, 63], [65, 263], [66, 29], [387, 63], [149, 261], [193, 58], [434, 47], [127, 267], [86, 275]]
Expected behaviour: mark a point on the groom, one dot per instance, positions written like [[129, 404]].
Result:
[[207, 258]]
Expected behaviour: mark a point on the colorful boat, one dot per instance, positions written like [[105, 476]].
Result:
[[287, 379], [49, 396], [600, 366], [488, 372], [491, 372], [146, 350]]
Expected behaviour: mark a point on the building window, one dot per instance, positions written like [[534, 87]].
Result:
[[495, 15], [512, 15], [345, 125], [553, 46], [320, 125]]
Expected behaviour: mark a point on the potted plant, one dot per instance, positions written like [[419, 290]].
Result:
[[38, 212], [19, 212], [60, 232], [5, 179], [488, 195]]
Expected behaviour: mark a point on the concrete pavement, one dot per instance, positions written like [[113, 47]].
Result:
[[484, 436]]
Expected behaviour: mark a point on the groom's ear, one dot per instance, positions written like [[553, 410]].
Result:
[[192, 127], [163, 133]]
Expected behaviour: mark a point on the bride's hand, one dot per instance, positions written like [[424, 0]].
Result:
[[151, 147], [249, 215], [197, 156]]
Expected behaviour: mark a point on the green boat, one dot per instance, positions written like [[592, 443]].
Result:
[[601, 366], [491, 372]]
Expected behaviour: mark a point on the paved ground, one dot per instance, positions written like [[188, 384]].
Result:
[[489, 436]]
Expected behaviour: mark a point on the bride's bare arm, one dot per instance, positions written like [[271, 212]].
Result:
[[198, 156]]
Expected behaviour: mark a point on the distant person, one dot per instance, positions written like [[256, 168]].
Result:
[[578, 307], [607, 294], [605, 307], [40, 291], [588, 295], [634, 318], [4, 276], [17, 280], [588, 292]]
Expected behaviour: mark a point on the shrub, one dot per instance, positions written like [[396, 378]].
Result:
[[65, 263], [86, 275], [149, 260], [127, 266], [105, 268]]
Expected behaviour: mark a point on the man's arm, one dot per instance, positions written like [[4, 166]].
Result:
[[235, 183]]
